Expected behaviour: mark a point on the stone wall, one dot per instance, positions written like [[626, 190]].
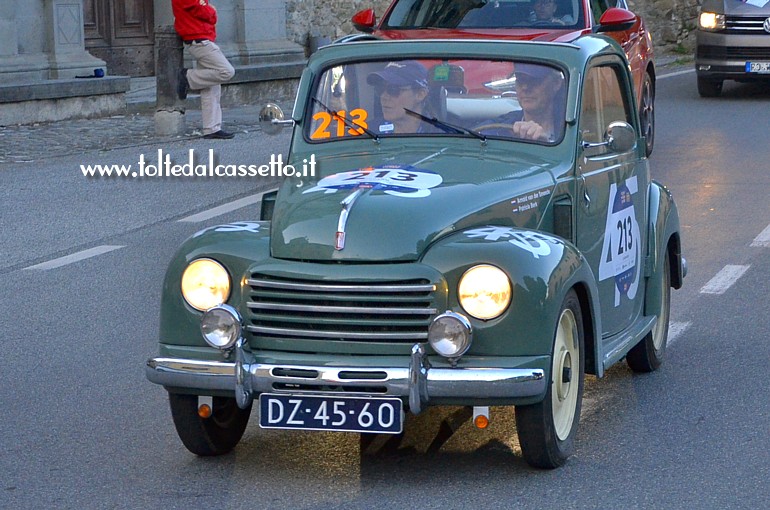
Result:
[[325, 18], [670, 21]]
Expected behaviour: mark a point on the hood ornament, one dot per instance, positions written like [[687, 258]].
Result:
[[347, 204]]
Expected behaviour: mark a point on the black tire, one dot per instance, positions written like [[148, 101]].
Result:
[[212, 436], [709, 87], [647, 112], [547, 429], [647, 355]]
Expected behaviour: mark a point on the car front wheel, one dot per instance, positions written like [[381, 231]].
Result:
[[547, 429], [216, 435]]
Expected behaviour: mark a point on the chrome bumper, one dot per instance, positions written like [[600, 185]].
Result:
[[419, 382]]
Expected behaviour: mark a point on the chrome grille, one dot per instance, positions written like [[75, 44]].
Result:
[[389, 311], [745, 25]]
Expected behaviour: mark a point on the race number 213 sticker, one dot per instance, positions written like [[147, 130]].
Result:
[[621, 251]]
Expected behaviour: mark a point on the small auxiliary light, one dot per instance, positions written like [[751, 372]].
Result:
[[204, 411], [481, 417], [205, 406]]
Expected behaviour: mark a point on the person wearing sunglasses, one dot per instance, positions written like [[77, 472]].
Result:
[[401, 86]]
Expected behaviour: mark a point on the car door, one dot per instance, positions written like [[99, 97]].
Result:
[[612, 191]]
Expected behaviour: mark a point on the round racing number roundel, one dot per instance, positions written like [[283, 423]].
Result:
[[401, 181]]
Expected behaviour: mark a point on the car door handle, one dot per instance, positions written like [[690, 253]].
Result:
[[586, 198]]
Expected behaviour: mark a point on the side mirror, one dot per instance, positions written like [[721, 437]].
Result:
[[364, 21], [271, 119], [616, 19], [619, 137]]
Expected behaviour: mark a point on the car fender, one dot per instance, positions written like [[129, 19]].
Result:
[[541, 267], [236, 246], [663, 234]]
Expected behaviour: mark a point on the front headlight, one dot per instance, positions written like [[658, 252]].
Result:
[[484, 291], [205, 284], [711, 21]]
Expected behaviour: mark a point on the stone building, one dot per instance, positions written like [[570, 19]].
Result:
[[48, 46]]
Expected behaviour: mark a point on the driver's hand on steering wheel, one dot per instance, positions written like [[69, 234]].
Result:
[[529, 130]]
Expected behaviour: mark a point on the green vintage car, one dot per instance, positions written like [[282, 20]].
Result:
[[476, 244]]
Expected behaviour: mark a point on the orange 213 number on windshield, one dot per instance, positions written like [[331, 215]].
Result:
[[357, 117]]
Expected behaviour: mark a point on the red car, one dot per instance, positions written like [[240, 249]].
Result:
[[540, 20]]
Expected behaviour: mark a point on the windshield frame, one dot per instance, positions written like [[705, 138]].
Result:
[[313, 104]]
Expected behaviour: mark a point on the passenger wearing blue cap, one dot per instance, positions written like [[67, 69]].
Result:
[[401, 86]]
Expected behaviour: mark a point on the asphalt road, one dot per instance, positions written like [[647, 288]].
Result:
[[82, 428]]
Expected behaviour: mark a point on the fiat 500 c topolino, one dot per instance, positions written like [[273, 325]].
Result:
[[475, 246]]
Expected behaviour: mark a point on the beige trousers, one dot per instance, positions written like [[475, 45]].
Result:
[[211, 69]]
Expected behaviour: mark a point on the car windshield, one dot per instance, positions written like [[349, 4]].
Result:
[[470, 14], [504, 99]]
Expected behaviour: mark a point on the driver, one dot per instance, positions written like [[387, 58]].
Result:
[[540, 92], [543, 12]]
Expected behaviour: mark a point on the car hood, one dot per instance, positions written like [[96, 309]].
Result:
[[399, 203], [513, 34]]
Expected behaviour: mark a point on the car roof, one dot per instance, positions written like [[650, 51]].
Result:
[[571, 54]]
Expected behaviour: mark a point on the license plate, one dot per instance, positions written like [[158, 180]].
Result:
[[342, 414], [758, 67]]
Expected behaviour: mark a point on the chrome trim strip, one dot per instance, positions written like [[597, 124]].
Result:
[[340, 309], [373, 289], [190, 373], [338, 334], [347, 205]]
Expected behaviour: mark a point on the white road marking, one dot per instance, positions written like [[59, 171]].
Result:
[[224, 209], [676, 73], [763, 239], [675, 329], [723, 279], [74, 257]]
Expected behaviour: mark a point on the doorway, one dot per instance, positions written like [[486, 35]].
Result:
[[120, 32]]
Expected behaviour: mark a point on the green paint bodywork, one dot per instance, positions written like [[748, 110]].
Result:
[[393, 238]]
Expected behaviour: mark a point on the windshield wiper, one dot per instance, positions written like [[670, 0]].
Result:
[[349, 123], [433, 121]]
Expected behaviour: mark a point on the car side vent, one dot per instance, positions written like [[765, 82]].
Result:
[[562, 218]]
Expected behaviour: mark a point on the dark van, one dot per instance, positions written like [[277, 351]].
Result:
[[733, 43]]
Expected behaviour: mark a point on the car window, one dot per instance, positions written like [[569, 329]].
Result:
[[603, 102], [450, 14], [437, 98]]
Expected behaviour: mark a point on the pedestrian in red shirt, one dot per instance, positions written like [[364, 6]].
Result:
[[195, 21]]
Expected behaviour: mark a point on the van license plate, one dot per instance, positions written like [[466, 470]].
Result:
[[758, 67], [342, 414]]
